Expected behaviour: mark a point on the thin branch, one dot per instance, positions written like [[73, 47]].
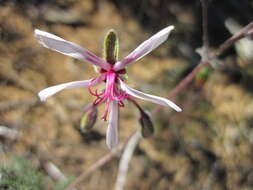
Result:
[[244, 32], [98, 164], [182, 84], [187, 79], [54, 172], [125, 159], [204, 4]]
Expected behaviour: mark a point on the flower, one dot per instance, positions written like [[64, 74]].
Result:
[[111, 72]]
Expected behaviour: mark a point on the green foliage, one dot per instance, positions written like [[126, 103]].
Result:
[[19, 176]]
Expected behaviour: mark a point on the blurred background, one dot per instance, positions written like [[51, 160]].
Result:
[[207, 146]]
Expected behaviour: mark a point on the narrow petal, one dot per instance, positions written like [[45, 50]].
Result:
[[112, 131], [60, 45], [148, 97], [50, 91], [145, 48]]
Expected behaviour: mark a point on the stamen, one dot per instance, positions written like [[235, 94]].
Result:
[[91, 92], [121, 104], [97, 101], [110, 93]]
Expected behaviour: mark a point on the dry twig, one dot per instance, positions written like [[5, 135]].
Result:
[[125, 159], [54, 172]]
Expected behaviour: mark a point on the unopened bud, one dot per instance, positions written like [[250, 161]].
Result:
[[89, 119], [111, 47], [147, 128]]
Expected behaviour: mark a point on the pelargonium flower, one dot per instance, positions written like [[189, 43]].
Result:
[[111, 72]]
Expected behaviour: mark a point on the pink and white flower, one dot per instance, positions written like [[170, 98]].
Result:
[[112, 74]]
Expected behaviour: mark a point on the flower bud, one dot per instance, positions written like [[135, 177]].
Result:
[[111, 47], [89, 119], [147, 128]]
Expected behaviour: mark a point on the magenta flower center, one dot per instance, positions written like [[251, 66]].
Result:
[[112, 91]]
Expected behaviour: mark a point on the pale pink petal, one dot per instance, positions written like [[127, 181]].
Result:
[[50, 91], [148, 97], [60, 45], [145, 48], [112, 131]]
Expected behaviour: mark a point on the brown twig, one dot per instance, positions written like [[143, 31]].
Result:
[[204, 4], [98, 164], [187, 79], [54, 172], [182, 84], [244, 32]]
